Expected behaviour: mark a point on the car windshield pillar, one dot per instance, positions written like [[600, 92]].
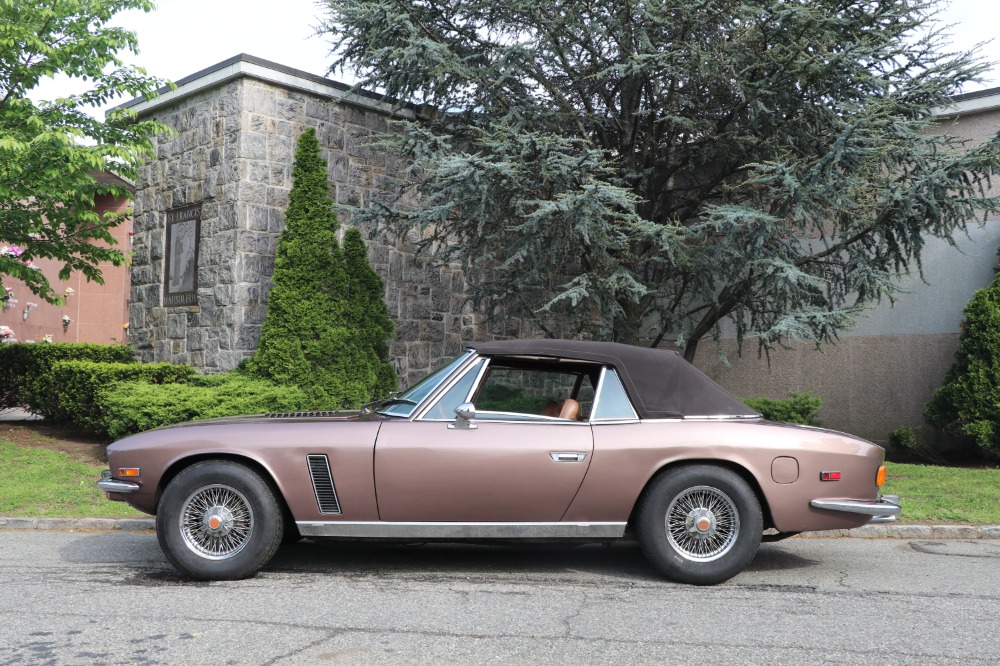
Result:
[[406, 402]]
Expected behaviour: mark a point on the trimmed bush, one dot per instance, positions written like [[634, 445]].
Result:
[[132, 407], [25, 367], [73, 392], [326, 325], [801, 408], [968, 403]]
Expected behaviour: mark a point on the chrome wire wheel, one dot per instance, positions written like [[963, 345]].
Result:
[[216, 522], [702, 524]]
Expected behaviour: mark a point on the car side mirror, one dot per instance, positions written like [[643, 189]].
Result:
[[466, 413]]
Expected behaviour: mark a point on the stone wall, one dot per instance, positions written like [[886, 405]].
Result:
[[233, 153]]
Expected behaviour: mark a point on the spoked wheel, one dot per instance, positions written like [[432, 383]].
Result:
[[216, 522], [699, 524], [702, 524], [219, 520]]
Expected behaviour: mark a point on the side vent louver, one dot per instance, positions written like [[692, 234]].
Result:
[[322, 480]]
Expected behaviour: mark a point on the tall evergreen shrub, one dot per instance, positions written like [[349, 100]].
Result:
[[324, 331], [968, 403]]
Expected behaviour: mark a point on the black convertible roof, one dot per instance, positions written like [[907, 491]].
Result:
[[661, 383]]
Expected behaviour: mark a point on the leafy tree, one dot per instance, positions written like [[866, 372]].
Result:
[[322, 332], [51, 150], [647, 170], [968, 403]]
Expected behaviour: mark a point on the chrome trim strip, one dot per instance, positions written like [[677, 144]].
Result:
[[598, 391], [123, 487], [884, 508], [423, 530], [432, 398], [716, 417]]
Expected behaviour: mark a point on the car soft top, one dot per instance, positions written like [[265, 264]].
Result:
[[661, 383]]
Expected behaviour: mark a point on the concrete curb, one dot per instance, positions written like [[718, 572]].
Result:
[[897, 531], [79, 524], [884, 531]]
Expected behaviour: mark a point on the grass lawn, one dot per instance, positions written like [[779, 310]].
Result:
[[41, 483], [931, 494]]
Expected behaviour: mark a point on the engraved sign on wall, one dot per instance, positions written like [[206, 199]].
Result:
[[180, 280]]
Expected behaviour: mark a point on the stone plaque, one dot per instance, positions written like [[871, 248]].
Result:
[[180, 279]]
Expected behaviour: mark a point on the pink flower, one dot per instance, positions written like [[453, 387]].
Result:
[[10, 251]]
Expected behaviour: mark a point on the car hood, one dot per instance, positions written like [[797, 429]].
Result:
[[346, 415]]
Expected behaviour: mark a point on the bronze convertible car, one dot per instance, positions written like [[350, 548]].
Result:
[[524, 439]]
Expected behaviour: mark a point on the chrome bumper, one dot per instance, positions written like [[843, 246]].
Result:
[[109, 485], [883, 510]]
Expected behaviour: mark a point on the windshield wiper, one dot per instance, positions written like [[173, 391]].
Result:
[[382, 402]]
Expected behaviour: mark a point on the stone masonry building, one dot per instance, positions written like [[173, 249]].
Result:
[[222, 180], [210, 207]]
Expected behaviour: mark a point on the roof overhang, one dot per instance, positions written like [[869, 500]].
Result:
[[980, 101], [248, 66]]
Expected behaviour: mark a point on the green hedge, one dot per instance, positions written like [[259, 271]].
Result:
[[74, 391], [801, 408], [25, 367], [131, 407]]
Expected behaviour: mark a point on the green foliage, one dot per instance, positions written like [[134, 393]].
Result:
[[26, 377], [968, 402], [903, 437], [51, 151], [802, 408], [73, 392], [645, 170], [326, 324], [132, 407]]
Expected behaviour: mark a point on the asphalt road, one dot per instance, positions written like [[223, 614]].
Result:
[[111, 598]]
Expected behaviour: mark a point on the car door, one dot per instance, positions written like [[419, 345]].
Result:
[[514, 466]]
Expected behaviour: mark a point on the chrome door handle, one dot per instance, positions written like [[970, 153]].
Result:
[[567, 456]]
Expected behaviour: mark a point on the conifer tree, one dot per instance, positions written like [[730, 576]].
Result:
[[651, 170], [968, 402], [367, 312], [314, 336]]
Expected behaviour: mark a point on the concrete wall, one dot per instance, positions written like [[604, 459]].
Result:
[[880, 373]]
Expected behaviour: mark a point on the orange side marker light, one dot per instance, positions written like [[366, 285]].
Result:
[[880, 477]]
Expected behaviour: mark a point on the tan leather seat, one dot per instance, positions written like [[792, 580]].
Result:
[[551, 408], [570, 409]]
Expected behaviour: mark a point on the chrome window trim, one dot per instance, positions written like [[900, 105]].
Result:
[[459, 530], [520, 417], [724, 417], [445, 386], [600, 393], [598, 390]]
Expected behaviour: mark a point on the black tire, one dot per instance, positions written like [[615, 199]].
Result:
[[219, 520], [699, 524]]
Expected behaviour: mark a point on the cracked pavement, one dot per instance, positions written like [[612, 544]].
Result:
[[111, 597]]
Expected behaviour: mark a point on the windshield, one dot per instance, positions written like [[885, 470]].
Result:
[[407, 401]]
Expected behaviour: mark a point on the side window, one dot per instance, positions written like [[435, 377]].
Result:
[[445, 406], [613, 402], [527, 393]]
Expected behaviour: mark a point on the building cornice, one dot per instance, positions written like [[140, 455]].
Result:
[[248, 66], [980, 101]]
